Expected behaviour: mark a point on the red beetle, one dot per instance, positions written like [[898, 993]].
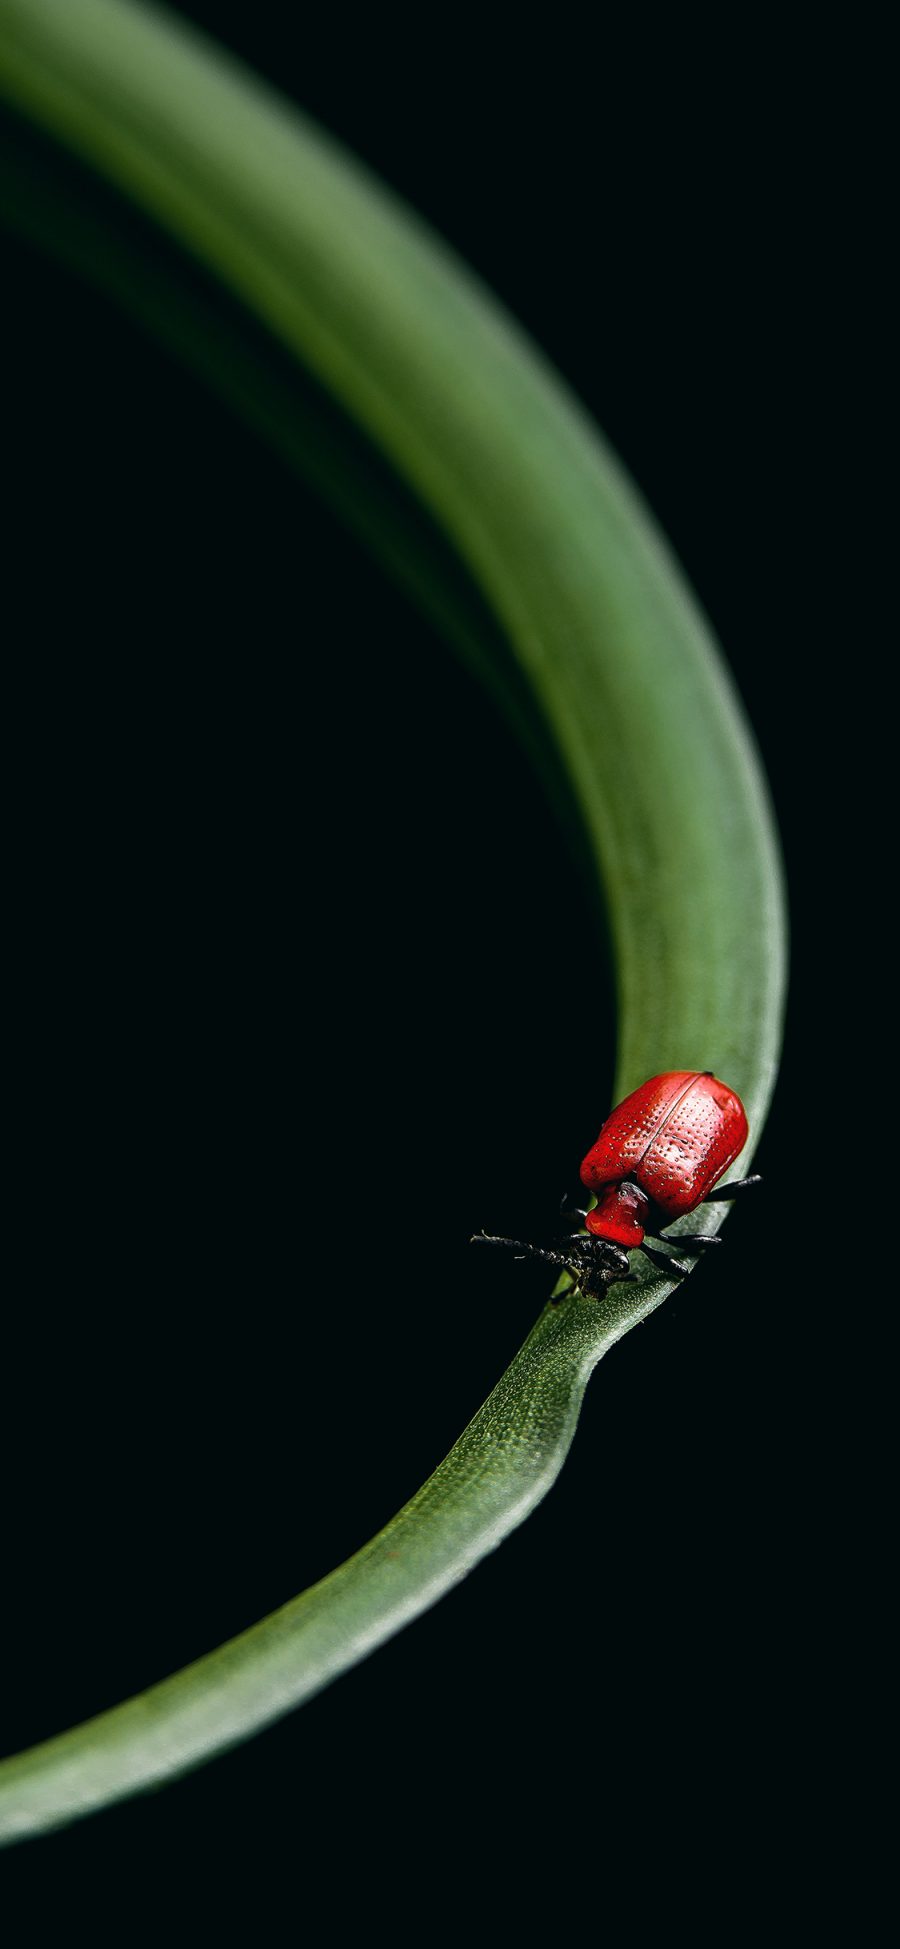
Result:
[[658, 1155]]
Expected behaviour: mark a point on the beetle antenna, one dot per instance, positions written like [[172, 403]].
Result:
[[520, 1246]]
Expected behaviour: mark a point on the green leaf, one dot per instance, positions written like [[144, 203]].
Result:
[[620, 678]]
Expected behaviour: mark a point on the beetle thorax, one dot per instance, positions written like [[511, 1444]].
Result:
[[620, 1214]]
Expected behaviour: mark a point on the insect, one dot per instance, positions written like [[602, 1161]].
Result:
[[659, 1154]]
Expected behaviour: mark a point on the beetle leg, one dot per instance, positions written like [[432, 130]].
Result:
[[662, 1258], [572, 1213], [728, 1190], [695, 1241]]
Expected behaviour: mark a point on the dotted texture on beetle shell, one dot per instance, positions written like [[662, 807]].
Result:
[[675, 1136], [631, 1127]]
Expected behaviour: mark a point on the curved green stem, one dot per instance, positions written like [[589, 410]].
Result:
[[500, 1467], [618, 663]]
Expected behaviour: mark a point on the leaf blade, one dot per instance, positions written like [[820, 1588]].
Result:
[[623, 669]]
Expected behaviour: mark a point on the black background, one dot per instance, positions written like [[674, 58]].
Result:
[[269, 918]]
